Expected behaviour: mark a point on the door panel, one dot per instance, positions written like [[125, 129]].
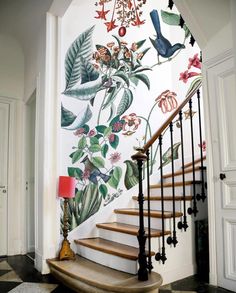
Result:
[[4, 138], [222, 101]]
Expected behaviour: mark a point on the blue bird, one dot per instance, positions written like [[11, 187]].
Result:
[[161, 44], [94, 172]]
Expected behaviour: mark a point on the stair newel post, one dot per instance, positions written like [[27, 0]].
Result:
[[150, 267], [203, 195], [161, 255], [182, 225], [173, 239], [194, 209], [140, 157]]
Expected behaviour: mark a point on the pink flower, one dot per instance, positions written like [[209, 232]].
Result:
[[117, 126], [195, 61], [131, 124], [92, 132], [167, 101], [184, 76], [111, 137], [203, 145], [79, 132], [115, 157]]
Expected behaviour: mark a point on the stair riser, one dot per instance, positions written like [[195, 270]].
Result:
[[156, 205], [112, 261], [187, 177], [134, 220], [168, 190], [122, 238]]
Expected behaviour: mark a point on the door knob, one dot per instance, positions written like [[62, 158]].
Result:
[[222, 176]]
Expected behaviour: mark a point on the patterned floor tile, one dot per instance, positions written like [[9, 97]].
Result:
[[10, 277], [5, 266], [34, 288], [5, 287]]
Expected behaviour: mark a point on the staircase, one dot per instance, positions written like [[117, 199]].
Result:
[[128, 249]]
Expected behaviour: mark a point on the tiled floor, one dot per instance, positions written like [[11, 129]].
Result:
[[17, 275]]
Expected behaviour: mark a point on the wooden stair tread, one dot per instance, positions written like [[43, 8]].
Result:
[[83, 272], [129, 229], [153, 213], [110, 247], [195, 162], [179, 172], [178, 183], [166, 197]]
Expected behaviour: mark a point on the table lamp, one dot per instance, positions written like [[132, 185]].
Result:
[[66, 190]]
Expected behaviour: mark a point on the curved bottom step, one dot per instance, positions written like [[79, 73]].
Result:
[[86, 276]]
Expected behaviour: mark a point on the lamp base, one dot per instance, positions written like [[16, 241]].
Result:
[[66, 253]]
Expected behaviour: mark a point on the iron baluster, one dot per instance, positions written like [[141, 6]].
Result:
[[182, 225], [194, 209], [140, 157], [173, 239], [150, 267], [161, 255], [203, 195]]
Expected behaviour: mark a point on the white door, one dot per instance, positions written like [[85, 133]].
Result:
[[222, 104], [4, 135]]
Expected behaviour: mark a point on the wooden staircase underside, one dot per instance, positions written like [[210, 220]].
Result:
[[83, 275]]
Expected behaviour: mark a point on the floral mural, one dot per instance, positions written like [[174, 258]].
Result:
[[104, 80]]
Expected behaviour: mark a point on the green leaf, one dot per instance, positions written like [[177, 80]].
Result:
[[187, 31], [82, 143], [81, 47], [98, 162], [121, 76], [144, 52], [118, 40], [115, 142], [88, 71], [90, 202], [110, 97], [140, 43], [95, 148], [83, 117], [104, 150], [85, 91], [75, 172], [112, 112], [167, 156], [131, 174], [108, 131], [77, 155], [115, 177], [67, 117], [143, 68], [143, 78], [101, 128], [170, 18], [125, 102], [94, 140], [103, 189], [195, 84]]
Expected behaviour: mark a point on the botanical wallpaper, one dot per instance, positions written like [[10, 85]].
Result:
[[104, 79]]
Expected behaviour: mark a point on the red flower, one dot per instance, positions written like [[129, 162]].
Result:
[[111, 137], [195, 61], [110, 25], [186, 75], [79, 132], [91, 133], [132, 122], [137, 21], [167, 101], [130, 4], [203, 145]]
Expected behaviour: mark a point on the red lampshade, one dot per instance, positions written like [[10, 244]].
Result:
[[66, 186]]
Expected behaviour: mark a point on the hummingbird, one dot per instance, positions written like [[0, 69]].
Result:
[[161, 44], [94, 172]]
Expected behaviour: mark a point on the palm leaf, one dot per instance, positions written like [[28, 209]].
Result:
[[81, 47]]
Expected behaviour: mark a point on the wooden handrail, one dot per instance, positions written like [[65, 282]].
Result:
[[168, 121]]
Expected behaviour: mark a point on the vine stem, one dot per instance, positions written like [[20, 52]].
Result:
[[100, 110]]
